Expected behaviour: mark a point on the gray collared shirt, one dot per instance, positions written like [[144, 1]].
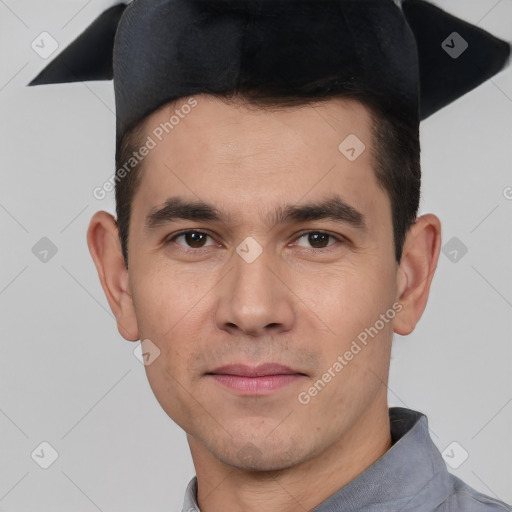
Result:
[[410, 477]]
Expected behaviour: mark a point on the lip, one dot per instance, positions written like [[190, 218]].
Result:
[[262, 370], [259, 380]]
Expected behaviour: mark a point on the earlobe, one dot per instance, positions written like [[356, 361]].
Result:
[[105, 248], [416, 271]]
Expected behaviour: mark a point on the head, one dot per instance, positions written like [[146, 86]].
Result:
[[293, 253]]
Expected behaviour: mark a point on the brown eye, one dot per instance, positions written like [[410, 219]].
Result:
[[192, 239], [318, 239]]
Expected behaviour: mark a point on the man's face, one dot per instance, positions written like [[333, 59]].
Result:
[[247, 290]]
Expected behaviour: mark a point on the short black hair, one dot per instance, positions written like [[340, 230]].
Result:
[[395, 154]]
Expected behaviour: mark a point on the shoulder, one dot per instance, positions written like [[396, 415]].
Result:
[[466, 499]]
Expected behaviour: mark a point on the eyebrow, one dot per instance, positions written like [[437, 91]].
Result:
[[333, 207]]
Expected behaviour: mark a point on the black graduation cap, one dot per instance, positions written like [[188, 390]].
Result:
[[411, 55]]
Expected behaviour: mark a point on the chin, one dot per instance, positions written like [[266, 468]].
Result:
[[261, 454], [250, 458]]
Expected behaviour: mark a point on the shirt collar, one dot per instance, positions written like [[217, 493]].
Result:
[[410, 476]]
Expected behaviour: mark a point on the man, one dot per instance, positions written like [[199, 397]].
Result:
[[267, 244]]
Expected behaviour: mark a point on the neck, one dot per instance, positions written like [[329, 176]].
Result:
[[301, 487]]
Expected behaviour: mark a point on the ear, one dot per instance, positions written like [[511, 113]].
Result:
[[105, 248], [416, 271]]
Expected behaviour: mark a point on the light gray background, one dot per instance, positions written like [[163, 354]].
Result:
[[68, 378]]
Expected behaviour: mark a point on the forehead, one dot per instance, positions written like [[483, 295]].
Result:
[[244, 157], [228, 127]]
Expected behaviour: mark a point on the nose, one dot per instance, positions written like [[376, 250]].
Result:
[[254, 298]]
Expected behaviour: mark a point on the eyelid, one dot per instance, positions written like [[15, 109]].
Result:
[[339, 238], [173, 236]]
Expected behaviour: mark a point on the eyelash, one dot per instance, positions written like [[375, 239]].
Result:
[[338, 238]]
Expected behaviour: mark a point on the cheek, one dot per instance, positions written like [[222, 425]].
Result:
[[348, 304], [171, 309], [349, 298], [166, 316], [166, 298]]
